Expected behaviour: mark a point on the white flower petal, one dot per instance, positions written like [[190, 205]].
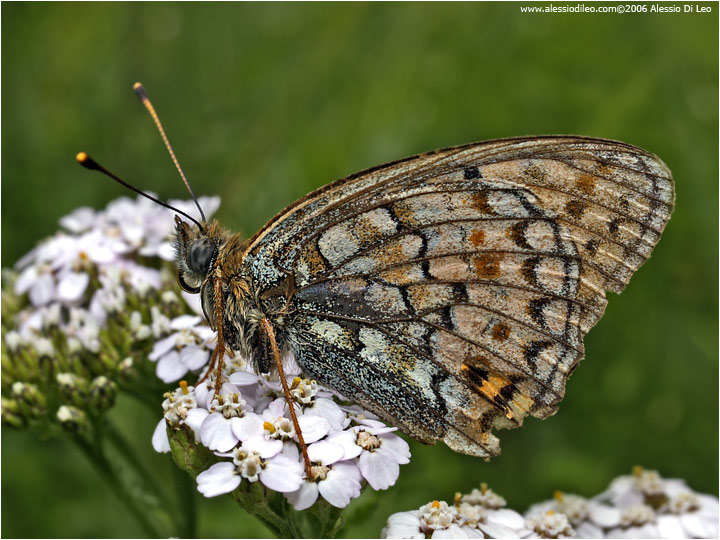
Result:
[[604, 516], [695, 526], [163, 346], [26, 279], [160, 440], [218, 479], [207, 335], [166, 251], [508, 518], [43, 290], [248, 426], [101, 254], [379, 468], [216, 433], [72, 286], [243, 378], [195, 417], [282, 474], [169, 369], [203, 395], [143, 279], [79, 220], [455, 531], [304, 497], [193, 301], [403, 525], [341, 484], [381, 430], [325, 452], [313, 428], [194, 357], [184, 321], [397, 446], [347, 439], [371, 423], [275, 410], [267, 448], [290, 449], [669, 527], [30, 256], [588, 530], [329, 410]]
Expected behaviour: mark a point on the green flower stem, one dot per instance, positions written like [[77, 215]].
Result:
[[115, 483], [186, 499], [322, 520], [127, 452], [267, 506]]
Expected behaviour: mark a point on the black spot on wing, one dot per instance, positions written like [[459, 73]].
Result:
[[532, 350]]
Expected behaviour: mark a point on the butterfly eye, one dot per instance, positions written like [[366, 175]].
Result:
[[200, 255], [185, 286]]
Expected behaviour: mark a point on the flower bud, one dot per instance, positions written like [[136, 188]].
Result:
[[11, 415], [30, 396], [102, 392], [72, 418], [169, 298], [126, 369], [44, 347], [187, 454], [13, 341], [51, 317], [139, 330], [73, 388]]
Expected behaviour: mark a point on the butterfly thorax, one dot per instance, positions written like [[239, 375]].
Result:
[[212, 260]]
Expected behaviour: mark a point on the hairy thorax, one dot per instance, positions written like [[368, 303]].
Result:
[[244, 305]]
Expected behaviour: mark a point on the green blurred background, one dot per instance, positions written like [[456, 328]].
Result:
[[264, 102]]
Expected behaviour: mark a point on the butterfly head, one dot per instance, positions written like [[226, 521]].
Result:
[[196, 253]]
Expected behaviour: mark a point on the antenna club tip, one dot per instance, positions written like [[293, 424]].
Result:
[[140, 92], [86, 161]]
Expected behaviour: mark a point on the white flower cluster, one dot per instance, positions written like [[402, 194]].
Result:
[[643, 505], [188, 346], [479, 514], [78, 278], [248, 427]]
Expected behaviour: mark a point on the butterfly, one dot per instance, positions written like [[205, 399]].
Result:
[[448, 292]]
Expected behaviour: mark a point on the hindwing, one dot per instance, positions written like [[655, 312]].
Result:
[[450, 292]]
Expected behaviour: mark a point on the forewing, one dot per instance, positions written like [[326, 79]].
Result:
[[450, 292]]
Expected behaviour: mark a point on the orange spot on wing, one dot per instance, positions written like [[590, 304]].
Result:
[[477, 238], [487, 265], [500, 332], [586, 184], [480, 202], [315, 262]]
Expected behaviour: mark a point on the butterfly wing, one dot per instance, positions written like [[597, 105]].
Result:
[[450, 292]]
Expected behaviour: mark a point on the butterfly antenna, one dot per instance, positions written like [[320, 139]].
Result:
[[89, 163], [142, 95]]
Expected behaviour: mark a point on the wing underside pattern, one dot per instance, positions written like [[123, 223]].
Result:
[[450, 292]]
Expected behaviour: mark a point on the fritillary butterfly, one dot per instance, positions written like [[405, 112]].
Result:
[[448, 292]]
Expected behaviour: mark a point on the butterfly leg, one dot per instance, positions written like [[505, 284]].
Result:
[[216, 360], [270, 334]]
